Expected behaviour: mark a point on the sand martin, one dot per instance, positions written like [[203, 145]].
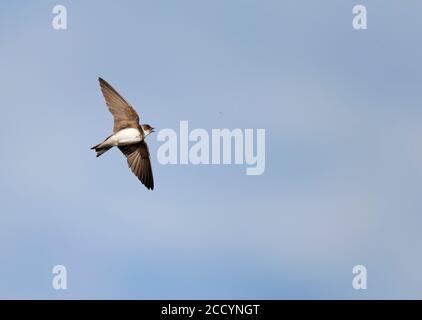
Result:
[[128, 135]]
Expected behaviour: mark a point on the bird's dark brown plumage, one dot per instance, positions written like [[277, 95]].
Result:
[[123, 113], [139, 162], [125, 116]]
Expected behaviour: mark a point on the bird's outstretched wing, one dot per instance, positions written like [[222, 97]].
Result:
[[124, 115], [139, 162]]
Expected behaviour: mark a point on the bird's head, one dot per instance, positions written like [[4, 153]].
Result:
[[147, 129]]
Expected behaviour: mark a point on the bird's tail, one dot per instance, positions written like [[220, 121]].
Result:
[[100, 150]]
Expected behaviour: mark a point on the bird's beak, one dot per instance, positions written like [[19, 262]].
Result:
[[152, 130]]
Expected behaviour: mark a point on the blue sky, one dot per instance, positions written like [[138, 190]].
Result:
[[341, 109]]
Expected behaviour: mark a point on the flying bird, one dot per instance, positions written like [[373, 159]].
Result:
[[128, 135]]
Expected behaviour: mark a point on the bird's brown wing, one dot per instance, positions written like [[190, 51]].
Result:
[[139, 162], [124, 115]]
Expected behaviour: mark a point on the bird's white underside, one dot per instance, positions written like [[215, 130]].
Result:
[[124, 137]]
